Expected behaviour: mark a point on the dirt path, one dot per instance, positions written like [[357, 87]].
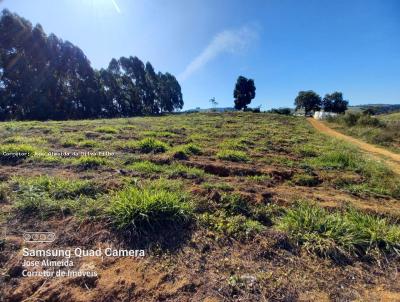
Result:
[[392, 159]]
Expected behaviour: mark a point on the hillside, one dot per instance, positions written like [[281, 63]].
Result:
[[226, 207]]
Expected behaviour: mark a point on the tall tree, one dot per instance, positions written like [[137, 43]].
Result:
[[308, 100], [244, 92], [335, 103], [43, 77]]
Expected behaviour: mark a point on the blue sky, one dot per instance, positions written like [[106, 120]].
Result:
[[286, 46]]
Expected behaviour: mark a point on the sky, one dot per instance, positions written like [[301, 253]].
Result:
[[352, 46]]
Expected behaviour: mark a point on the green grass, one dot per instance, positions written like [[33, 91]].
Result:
[[59, 188], [150, 144], [15, 153], [144, 210], [90, 162], [46, 196], [233, 155], [340, 234], [185, 151], [146, 167], [238, 226], [106, 129], [305, 180]]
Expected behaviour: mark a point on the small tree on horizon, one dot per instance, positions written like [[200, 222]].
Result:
[[213, 102], [244, 92], [309, 100]]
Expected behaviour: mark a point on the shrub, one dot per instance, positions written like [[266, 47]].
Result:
[[150, 144], [367, 120], [233, 155], [351, 119], [149, 210], [340, 234]]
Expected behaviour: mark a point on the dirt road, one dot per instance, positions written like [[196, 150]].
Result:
[[392, 159]]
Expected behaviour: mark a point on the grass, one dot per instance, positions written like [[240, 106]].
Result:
[[90, 162], [150, 144], [14, 153], [144, 210], [185, 151], [238, 226], [233, 155], [340, 234], [106, 129]]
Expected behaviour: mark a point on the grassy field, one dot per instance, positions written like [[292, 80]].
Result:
[[229, 207], [383, 130]]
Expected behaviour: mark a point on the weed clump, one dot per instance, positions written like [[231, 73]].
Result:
[[340, 234], [185, 151], [146, 210], [150, 144]]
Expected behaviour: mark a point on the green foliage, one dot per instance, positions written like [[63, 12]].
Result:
[[149, 144], [340, 234], [308, 100], [149, 210], [128, 87], [244, 92], [233, 155]]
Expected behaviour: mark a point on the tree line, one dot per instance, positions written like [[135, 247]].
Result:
[[43, 77]]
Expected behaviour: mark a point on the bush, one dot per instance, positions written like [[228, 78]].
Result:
[[351, 119], [233, 155], [338, 234], [150, 144], [149, 210], [367, 120]]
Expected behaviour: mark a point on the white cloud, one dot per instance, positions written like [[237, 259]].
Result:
[[227, 41]]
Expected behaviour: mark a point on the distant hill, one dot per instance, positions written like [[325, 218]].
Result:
[[379, 108]]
